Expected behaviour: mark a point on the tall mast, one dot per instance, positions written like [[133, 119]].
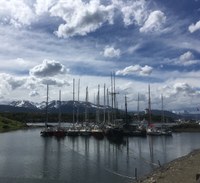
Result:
[[73, 100], [113, 95], [149, 109], [47, 101], [162, 109], [138, 108], [77, 115], [108, 105], [98, 94], [104, 104], [125, 109], [59, 116], [86, 105]]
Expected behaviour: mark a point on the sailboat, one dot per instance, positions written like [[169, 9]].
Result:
[[151, 129], [96, 130], [73, 131], [59, 132], [47, 131]]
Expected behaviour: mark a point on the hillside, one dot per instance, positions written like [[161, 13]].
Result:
[[8, 124]]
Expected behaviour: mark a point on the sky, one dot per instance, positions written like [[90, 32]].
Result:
[[154, 42]]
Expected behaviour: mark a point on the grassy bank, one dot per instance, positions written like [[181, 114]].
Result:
[[8, 124]]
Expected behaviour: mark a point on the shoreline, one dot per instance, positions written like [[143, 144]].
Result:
[[183, 170]]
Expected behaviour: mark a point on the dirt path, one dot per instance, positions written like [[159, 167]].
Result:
[[181, 170]]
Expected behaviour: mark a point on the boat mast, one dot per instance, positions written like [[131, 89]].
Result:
[[73, 101], [126, 109], [47, 101], [77, 115], [108, 106], [98, 105], [86, 105], [104, 104], [163, 119], [59, 116], [149, 108], [138, 108]]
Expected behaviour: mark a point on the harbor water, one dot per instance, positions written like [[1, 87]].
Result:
[[25, 156]]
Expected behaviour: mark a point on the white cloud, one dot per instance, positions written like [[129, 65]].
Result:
[[54, 81], [80, 17], [48, 68], [146, 70], [111, 52], [187, 56], [12, 82], [43, 6], [134, 12], [187, 59], [16, 12], [154, 22], [179, 90], [194, 27]]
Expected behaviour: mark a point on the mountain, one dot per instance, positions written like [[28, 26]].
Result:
[[25, 106], [53, 106], [23, 103]]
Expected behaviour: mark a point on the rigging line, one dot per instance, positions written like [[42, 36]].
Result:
[[106, 169]]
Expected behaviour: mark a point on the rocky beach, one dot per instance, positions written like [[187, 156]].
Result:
[[182, 170]]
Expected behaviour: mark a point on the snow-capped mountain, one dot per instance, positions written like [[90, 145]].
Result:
[[23, 103], [53, 106]]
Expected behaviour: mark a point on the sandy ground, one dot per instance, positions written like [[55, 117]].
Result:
[[181, 170]]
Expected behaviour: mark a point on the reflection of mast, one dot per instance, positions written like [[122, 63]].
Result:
[[149, 108], [47, 100]]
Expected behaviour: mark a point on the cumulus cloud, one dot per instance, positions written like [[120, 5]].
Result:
[[187, 59], [17, 13], [81, 17], [134, 12], [48, 68], [12, 82], [110, 51], [54, 81], [154, 22], [180, 89], [184, 88], [194, 27], [146, 70], [186, 56]]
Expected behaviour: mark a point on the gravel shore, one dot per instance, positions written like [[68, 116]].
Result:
[[181, 170]]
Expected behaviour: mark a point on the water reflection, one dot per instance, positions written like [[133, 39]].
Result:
[[86, 159]]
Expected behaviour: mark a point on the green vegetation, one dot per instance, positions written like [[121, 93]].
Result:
[[8, 124]]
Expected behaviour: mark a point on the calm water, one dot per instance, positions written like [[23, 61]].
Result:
[[25, 156]]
